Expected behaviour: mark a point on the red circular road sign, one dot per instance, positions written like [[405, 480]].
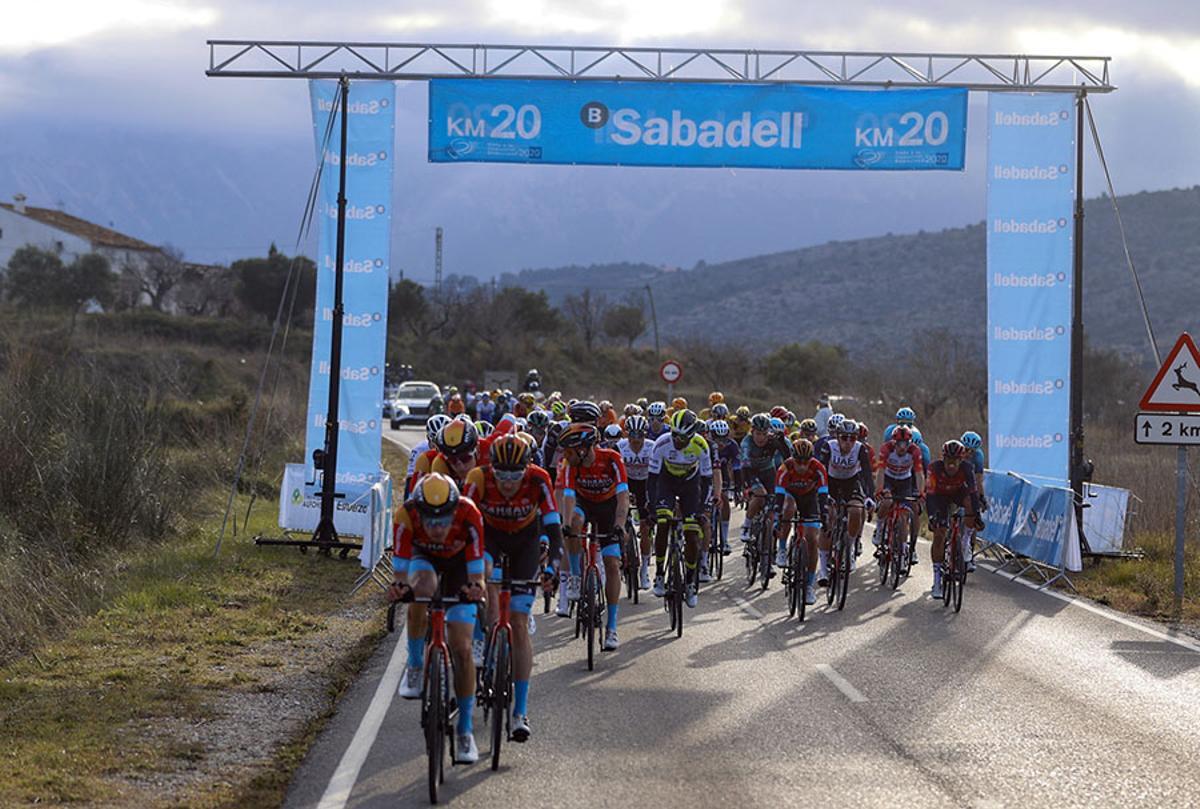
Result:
[[671, 372]]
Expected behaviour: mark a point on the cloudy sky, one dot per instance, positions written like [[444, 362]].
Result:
[[106, 111]]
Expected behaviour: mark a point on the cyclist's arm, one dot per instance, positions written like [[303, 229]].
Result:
[[474, 549], [551, 520], [622, 492], [401, 546]]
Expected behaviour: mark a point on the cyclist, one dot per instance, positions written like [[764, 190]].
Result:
[[610, 436], [905, 417], [804, 486], [635, 452], [974, 444], [901, 475], [727, 457], [762, 453], [677, 404], [849, 468], [832, 425], [951, 481], [715, 398], [680, 469], [595, 490], [657, 413], [808, 429], [457, 444], [607, 414], [517, 501], [439, 534]]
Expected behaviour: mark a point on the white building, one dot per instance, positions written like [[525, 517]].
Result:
[[67, 235]]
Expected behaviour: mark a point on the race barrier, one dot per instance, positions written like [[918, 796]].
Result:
[[1031, 525]]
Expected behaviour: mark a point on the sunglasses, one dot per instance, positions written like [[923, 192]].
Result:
[[508, 475], [437, 522], [460, 458]]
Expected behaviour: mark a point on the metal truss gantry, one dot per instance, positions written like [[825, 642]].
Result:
[[415, 61]]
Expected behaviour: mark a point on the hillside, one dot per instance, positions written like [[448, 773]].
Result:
[[856, 292]]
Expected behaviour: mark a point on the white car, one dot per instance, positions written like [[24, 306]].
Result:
[[412, 402]]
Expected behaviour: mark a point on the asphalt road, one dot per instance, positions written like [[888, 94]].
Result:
[[1022, 699]]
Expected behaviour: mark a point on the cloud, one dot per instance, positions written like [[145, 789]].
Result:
[[34, 25]]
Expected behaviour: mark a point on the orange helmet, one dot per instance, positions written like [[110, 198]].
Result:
[[679, 403], [716, 397]]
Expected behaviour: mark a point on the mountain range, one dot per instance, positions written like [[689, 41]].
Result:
[[869, 294]]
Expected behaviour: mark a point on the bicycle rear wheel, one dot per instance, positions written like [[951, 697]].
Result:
[[960, 576], [948, 564], [899, 549], [587, 614], [434, 713], [844, 554], [766, 554], [885, 552], [750, 555], [800, 578], [501, 692], [831, 588], [790, 581]]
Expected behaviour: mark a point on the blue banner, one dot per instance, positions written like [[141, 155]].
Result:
[[369, 163], [1030, 248], [1037, 522], [689, 124]]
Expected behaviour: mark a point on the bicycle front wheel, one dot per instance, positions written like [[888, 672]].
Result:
[[845, 552], [501, 695], [587, 614], [435, 715]]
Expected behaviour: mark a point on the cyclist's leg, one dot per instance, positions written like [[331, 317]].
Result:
[[523, 557], [938, 507], [423, 580], [603, 516], [460, 630]]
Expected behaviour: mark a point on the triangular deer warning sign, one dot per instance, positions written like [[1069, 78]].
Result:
[[1176, 386]]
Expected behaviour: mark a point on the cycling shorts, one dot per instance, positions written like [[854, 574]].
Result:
[[640, 495], [900, 487], [452, 572], [761, 481], [938, 506], [523, 549], [686, 490], [847, 489], [601, 515], [808, 508]]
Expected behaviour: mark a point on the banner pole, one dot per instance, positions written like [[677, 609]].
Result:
[[1077, 462], [1181, 493], [326, 532]]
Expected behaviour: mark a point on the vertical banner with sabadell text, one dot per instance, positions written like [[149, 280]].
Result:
[[1030, 248], [369, 160]]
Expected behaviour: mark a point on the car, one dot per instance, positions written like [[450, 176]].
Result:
[[398, 413], [414, 400]]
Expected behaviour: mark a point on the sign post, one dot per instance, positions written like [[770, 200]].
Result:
[[1173, 402], [671, 372]]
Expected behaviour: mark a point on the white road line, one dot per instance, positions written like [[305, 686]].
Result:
[[337, 793], [746, 607], [346, 774], [840, 682], [1103, 613]]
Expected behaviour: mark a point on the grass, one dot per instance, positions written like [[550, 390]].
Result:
[[1146, 586], [100, 715]]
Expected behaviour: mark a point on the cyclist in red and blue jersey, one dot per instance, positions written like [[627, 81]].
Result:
[[804, 486], [951, 482]]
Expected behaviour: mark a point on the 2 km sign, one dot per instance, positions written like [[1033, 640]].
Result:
[[1173, 399]]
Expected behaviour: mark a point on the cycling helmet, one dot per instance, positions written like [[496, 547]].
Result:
[[777, 424], [530, 440], [719, 427], [953, 450], [612, 433], [789, 418], [834, 421], [656, 410], [511, 451], [526, 399], [558, 408], [605, 405], [848, 428], [679, 403], [585, 412], [637, 426], [761, 422], [538, 419], [579, 435], [642, 403], [777, 412], [720, 411], [716, 397], [971, 440], [802, 449], [459, 437], [521, 424], [863, 431], [906, 415], [902, 433], [742, 412], [917, 437], [484, 428], [554, 431], [684, 423], [808, 426], [435, 497], [434, 425], [630, 409]]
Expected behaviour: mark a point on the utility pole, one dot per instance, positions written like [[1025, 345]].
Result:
[[437, 262], [654, 319]]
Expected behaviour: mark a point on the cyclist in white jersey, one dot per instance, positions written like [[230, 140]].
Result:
[[635, 451], [848, 463]]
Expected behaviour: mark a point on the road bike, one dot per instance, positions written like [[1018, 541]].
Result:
[[591, 609], [795, 575], [675, 585], [840, 556], [767, 543], [895, 556], [439, 708], [954, 569], [716, 549], [494, 688]]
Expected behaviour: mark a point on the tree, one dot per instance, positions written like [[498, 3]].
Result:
[[720, 365], [206, 291], [154, 278], [261, 283], [407, 308], [941, 367], [804, 366], [38, 279], [586, 311], [625, 322]]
